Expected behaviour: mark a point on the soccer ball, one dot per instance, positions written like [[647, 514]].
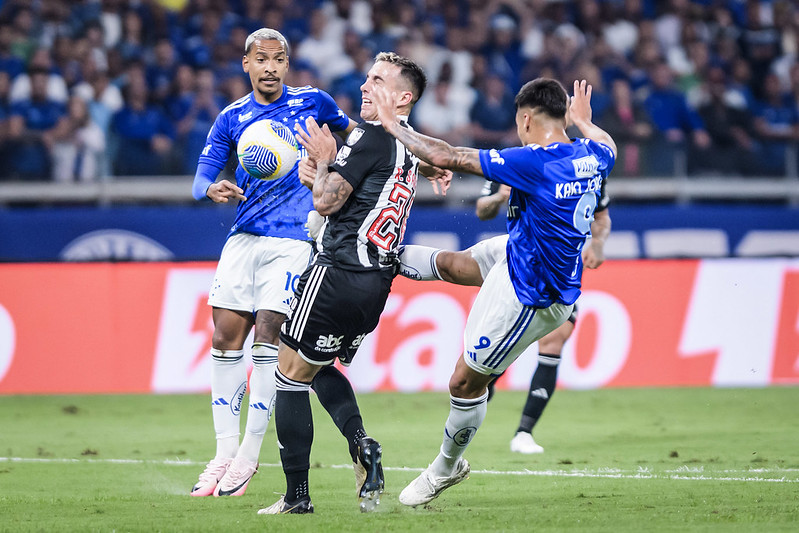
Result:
[[267, 150]]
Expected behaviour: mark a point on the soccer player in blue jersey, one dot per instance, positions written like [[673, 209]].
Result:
[[265, 253], [556, 183]]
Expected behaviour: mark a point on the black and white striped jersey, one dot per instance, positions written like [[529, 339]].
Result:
[[371, 223]]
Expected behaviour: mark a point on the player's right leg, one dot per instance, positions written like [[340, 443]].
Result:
[[467, 267], [230, 297], [228, 387]]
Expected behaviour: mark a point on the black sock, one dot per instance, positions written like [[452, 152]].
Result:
[[542, 387], [294, 426], [337, 397]]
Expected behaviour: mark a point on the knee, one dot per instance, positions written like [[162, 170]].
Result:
[[462, 386]]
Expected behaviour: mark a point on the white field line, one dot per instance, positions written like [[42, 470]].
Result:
[[687, 473]]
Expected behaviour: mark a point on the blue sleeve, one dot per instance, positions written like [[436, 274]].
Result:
[[501, 166], [203, 178], [218, 144], [330, 113]]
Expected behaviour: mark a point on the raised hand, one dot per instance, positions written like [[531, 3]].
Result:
[[580, 108], [318, 142], [384, 101]]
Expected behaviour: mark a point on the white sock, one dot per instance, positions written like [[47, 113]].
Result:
[[228, 385], [262, 399], [465, 418], [418, 262]]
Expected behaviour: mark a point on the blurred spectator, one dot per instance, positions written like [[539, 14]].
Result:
[[679, 131], [160, 70], [31, 128], [10, 63], [734, 150], [197, 49], [323, 47], [777, 125], [627, 122], [132, 45], [55, 86], [760, 42], [79, 145], [194, 107], [143, 134], [443, 111], [503, 49], [493, 116]]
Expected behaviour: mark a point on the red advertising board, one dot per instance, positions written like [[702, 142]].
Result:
[[146, 327]]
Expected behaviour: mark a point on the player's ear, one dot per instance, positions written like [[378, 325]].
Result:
[[245, 63], [406, 97]]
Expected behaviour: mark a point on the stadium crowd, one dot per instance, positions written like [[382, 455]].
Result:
[[97, 88]]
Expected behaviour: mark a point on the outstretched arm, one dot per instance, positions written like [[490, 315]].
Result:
[[580, 115], [430, 150]]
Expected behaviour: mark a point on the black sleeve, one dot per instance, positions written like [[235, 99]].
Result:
[[489, 188], [363, 151], [604, 199]]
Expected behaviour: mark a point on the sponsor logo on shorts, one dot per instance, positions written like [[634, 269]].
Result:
[[356, 342], [329, 343]]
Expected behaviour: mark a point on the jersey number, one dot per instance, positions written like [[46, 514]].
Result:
[[584, 212], [389, 226]]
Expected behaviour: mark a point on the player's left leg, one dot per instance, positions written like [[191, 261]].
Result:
[[542, 387], [336, 395], [294, 425]]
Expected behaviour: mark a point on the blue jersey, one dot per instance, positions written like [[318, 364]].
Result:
[[555, 190], [276, 208]]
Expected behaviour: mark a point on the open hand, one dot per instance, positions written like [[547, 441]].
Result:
[[384, 102], [318, 142], [580, 108]]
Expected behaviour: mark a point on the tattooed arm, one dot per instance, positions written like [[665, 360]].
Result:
[[430, 150], [330, 190]]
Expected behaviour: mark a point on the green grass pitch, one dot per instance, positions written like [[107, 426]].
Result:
[[616, 460]]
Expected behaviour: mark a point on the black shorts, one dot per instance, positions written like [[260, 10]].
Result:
[[333, 310], [573, 317]]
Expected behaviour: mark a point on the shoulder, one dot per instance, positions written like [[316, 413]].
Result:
[[238, 104], [305, 91]]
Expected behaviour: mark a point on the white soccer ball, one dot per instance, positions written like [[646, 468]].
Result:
[[267, 150]]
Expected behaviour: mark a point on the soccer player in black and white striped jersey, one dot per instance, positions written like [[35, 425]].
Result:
[[366, 190]]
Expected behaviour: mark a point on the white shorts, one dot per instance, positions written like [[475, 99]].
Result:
[[257, 272], [500, 327], [488, 252]]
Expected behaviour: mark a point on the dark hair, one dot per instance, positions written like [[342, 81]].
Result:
[[546, 95], [409, 70]]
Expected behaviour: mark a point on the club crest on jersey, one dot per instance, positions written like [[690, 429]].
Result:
[[354, 136], [342, 155]]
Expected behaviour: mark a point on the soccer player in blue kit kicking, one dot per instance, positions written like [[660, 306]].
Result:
[[556, 183], [266, 251]]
